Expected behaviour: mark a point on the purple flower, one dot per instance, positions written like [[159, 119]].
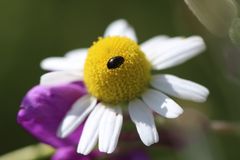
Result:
[[43, 109], [41, 112], [69, 153]]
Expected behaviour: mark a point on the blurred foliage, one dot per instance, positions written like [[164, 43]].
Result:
[[32, 30], [215, 15], [32, 152], [234, 32]]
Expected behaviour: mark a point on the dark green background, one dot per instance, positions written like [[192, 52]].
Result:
[[31, 30]]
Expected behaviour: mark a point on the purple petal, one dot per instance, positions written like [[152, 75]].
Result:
[[137, 154], [69, 153], [43, 108]]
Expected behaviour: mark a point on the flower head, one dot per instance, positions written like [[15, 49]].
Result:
[[116, 70], [118, 74]]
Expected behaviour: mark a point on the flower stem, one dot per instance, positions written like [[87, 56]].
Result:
[[225, 127], [32, 152]]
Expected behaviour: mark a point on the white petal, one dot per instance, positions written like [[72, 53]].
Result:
[[162, 104], [158, 45], [75, 116], [175, 51], [180, 88], [60, 77], [142, 116], [109, 129], [73, 60], [59, 64], [120, 28], [153, 42], [77, 53], [153, 45], [90, 132]]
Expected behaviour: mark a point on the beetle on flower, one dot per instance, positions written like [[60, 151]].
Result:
[[119, 75]]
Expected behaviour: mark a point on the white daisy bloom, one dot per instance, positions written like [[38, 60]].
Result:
[[116, 71]]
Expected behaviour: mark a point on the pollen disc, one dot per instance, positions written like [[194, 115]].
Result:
[[116, 70]]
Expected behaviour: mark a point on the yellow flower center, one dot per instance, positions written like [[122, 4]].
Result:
[[116, 70]]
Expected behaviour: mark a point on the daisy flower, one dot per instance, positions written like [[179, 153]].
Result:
[[119, 74]]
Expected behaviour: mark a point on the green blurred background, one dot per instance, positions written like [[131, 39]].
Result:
[[31, 30]]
